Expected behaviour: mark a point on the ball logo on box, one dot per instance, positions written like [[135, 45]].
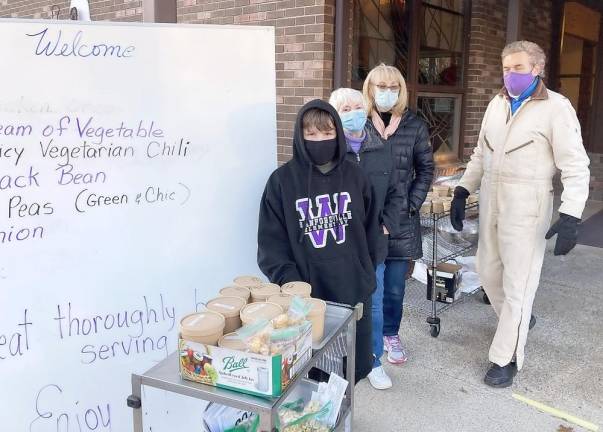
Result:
[[231, 364]]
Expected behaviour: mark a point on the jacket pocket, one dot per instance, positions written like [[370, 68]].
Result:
[[518, 202], [488, 143], [342, 279], [520, 147], [382, 246]]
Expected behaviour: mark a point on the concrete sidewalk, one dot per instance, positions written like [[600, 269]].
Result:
[[440, 389]]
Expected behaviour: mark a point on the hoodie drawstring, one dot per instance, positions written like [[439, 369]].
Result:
[[307, 215]]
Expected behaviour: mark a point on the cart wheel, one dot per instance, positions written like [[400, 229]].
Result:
[[486, 299], [435, 331]]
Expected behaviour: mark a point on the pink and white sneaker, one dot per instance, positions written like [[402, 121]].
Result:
[[396, 353]]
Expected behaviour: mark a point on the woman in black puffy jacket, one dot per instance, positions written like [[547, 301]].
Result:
[[388, 116]]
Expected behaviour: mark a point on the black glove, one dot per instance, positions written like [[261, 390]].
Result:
[[566, 229], [457, 208]]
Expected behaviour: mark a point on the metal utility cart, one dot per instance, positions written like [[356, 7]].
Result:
[[440, 245], [339, 319]]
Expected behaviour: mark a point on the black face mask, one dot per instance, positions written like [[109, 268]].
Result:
[[321, 152]]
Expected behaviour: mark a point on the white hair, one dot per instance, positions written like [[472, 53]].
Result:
[[534, 52], [345, 95]]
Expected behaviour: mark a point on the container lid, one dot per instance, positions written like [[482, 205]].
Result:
[[236, 290], [248, 281], [232, 341], [318, 306], [265, 290], [264, 310], [282, 299], [202, 323], [229, 306], [302, 289]]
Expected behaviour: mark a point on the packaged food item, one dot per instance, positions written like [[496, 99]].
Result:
[[270, 336], [236, 291], [299, 416], [203, 327], [260, 293], [447, 203], [248, 281], [301, 289], [316, 316], [284, 300], [232, 341], [260, 311], [230, 307], [441, 190], [426, 208], [437, 206]]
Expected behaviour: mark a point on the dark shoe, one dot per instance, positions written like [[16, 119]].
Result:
[[532, 322], [501, 377]]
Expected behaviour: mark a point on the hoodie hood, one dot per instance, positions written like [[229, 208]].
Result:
[[300, 154]]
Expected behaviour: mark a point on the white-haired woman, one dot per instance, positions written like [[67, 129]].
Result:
[[386, 98], [376, 159]]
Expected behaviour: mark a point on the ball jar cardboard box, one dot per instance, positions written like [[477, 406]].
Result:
[[241, 371]]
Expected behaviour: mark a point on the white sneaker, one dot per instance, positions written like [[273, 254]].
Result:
[[379, 379]]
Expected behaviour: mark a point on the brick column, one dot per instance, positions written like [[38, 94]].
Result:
[[304, 48], [484, 70]]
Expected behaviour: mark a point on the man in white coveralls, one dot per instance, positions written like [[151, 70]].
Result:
[[528, 132]]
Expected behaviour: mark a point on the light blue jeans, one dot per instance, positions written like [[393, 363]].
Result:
[[391, 285]]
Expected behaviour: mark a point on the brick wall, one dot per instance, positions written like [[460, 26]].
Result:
[[484, 71], [536, 25], [100, 10], [304, 48]]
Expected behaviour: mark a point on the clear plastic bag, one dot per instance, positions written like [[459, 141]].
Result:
[[250, 425], [271, 337], [256, 336], [298, 417]]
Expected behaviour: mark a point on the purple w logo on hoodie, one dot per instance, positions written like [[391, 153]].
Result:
[[331, 216]]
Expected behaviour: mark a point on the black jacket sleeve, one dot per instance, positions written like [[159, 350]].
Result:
[[371, 223], [275, 257], [423, 167]]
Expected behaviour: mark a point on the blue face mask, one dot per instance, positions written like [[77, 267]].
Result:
[[386, 99], [353, 121]]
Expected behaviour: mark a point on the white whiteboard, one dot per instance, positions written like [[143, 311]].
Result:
[[150, 258]]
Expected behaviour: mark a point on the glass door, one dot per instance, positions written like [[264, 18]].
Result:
[[426, 40], [578, 61]]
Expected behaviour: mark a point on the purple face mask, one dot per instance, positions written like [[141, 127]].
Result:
[[516, 83]]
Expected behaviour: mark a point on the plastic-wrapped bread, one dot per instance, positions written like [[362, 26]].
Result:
[[426, 208], [437, 206]]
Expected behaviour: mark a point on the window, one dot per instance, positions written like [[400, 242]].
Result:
[[426, 40], [381, 35], [441, 50]]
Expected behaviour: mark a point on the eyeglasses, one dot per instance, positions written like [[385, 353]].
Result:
[[394, 88]]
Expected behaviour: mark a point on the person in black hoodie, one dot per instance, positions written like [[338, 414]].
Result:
[[319, 222]]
